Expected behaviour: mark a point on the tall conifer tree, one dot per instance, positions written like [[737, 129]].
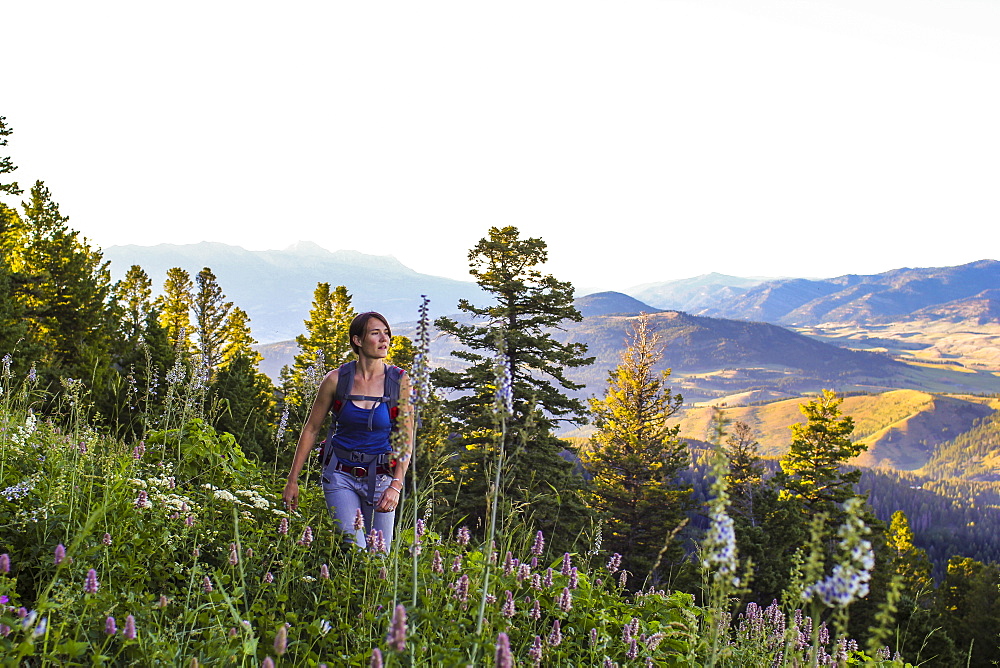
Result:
[[529, 306], [634, 457], [211, 311], [68, 299], [174, 306]]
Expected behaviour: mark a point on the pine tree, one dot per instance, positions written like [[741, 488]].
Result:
[[238, 338], [529, 306], [325, 342], [634, 457], [813, 468], [67, 302], [133, 296], [210, 313], [174, 306], [7, 165], [323, 347]]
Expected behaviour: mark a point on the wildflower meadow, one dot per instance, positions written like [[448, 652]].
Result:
[[174, 550]]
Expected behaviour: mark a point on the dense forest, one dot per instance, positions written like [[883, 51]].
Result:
[[922, 554]]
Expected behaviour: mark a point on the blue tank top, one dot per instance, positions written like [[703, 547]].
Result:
[[353, 433]]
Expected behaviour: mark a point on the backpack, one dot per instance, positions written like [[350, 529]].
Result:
[[345, 381]]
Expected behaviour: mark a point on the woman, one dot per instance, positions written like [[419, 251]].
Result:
[[358, 473]]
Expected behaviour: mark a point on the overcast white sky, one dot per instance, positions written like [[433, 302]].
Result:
[[644, 141]]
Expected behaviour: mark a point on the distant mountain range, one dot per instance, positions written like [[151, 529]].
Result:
[[275, 287], [967, 292]]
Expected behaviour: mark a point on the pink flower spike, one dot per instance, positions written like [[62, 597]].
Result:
[[283, 526], [324, 572], [268, 578], [281, 640], [268, 662], [206, 584], [376, 661], [91, 585], [503, 656], [234, 555], [359, 520], [129, 632], [539, 544], [397, 632], [107, 539], [60, 554], [110, 628], [4, 563]]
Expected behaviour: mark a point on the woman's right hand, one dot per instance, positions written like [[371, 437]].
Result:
[[290, 496]]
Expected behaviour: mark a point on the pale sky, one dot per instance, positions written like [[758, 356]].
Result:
[[644, 141]]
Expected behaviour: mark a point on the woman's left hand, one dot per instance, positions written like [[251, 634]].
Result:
[[389, 500]]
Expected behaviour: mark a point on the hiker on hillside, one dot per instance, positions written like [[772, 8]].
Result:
[[361, 479]]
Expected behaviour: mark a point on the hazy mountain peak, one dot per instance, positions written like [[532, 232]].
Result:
[[307, 248]]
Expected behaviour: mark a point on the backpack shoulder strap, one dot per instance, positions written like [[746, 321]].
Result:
[[345, 380], [393, 379]]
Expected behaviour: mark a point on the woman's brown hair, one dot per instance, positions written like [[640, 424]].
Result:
[[360, 323]]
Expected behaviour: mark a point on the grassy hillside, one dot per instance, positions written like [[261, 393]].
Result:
[[904, 429]]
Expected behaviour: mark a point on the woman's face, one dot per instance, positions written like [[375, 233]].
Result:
[[376, 340]]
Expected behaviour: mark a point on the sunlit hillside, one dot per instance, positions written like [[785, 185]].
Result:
[[903, 429]]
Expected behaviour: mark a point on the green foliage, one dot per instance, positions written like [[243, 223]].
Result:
[[174, 306], [634, 458], [324, 347], [65, 300], [244, 400], [211, 313], [812, 470], [528, 307]]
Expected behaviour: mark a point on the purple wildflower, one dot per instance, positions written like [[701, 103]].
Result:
[[142, 500], [4, 563], [107, 539], [324, 572], [555, 637], [593, 637], [281, 640], [456, 565], [283, 526], [623, 579], [396, 638], [614, 563], [574, 578], [536, 610], [206, 584], [567, 564], [139, 450], [420, 528], [566, 600], [548, 578], [376, 661], [633, 650], [91, 585], [268, 662], [462, 589], [523, 571], [503, 657], [268, 578], [110, 627], [535, 653], [60, 554], [436, 565], [129, 631], [536, 581], [234, 554], [508, 564], [508, 605], [463, 536], [359, 520], [539, 544], [307, 537]]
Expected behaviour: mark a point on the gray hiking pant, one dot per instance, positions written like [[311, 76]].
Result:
[[346, 494]]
